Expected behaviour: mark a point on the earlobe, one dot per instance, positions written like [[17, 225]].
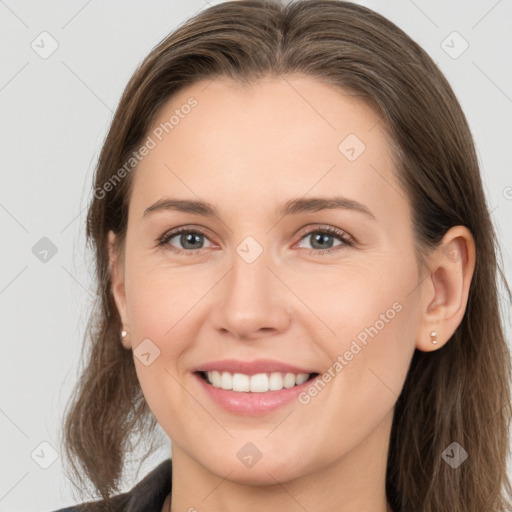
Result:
[[117, 285], [445, 291]]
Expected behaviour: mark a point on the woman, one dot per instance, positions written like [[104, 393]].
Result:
[[297, 276]]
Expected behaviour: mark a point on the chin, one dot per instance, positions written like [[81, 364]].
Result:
[[262, 473]]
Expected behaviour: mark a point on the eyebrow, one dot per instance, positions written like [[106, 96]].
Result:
[[292, 207]]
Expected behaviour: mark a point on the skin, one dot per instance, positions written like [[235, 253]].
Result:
[[248, 150]]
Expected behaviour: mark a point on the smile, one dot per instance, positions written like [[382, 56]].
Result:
[[257, 383], [258, 394]]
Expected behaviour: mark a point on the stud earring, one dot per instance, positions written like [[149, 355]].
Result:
[[123, 334], [433, 335]]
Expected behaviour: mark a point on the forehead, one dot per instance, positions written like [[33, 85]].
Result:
[[276, 137]]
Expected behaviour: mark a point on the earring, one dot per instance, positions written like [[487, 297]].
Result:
[[123, 334], [433, 335]]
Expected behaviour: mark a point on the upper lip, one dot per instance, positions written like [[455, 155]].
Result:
[[250, 367]]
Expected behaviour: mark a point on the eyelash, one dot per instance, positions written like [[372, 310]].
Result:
[[341, 235]]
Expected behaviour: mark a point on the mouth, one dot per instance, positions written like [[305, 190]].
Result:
[[256, 383]]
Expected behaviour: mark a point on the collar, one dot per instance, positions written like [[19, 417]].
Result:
[[150, 493]]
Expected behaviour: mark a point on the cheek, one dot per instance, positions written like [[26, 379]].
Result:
[[362, 303], [374, 321], [160, 308], [374, 317], [161, 301]]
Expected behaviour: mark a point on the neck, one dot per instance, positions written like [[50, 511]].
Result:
[[358, 478]]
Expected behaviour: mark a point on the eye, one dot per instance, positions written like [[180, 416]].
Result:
[[323, 237], [190, 239]]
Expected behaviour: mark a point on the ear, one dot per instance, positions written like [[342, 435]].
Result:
[[117, 281], [445, 291]]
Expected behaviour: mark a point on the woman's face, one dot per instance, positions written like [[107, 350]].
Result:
[[263, 279]]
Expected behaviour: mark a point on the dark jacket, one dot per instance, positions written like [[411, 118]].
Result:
[[146, 496]]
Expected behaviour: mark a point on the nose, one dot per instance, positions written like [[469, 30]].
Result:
[[253, 301]]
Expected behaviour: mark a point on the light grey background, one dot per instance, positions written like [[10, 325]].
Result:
[[54, 115]]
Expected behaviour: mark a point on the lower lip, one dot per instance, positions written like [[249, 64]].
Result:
[[251, 403]]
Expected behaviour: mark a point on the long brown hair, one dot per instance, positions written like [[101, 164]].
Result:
[[459, 393]]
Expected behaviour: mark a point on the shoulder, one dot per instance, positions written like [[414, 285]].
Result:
[[118, 503], [146, 496]]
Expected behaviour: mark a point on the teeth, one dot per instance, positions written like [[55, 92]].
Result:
[[259, 383], [301, 378], [241, 382]]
